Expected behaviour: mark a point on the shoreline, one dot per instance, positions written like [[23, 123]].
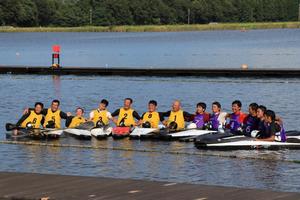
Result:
[[158, 28], [159, 72]]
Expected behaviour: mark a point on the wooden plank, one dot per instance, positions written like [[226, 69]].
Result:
[[36, 186]]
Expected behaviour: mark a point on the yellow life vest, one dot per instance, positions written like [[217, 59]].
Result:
[[153, 118], [126, 116], [53, 116], [34, 119], [76, 121], [178, 118], [100, 115]]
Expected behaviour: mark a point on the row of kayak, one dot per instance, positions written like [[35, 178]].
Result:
[[203, 139]]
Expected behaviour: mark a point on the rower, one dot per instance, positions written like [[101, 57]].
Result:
[[176, 117], [274, 131], [151, 118], [217, 118], [261, 110], [236, 118], [101, 116], [201, 117], [251, 122], [33, 118], [53, 115], [75, 121], [126, 115]]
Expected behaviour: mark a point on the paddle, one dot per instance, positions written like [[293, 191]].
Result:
[[10, 127]]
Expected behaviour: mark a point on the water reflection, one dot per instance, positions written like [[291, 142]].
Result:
[[57, 86]]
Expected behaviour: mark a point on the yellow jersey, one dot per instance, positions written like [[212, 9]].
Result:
[[178, 118], [34, 119], [153, 118]]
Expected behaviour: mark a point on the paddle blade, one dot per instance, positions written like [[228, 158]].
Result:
[[10, 127]]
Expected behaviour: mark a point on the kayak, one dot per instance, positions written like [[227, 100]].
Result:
[[101, 133], [35, 134], [81, 134], [139, 133], [121, 132], [249, 145], [239, 142], [188, 133]]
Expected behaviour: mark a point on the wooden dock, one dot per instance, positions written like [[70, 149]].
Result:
[[26, 186], [167, 72]]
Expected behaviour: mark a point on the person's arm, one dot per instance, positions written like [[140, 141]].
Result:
[[274, 129], [114, 114], [206, 118], [108, 115], [138, 117], [165, 114], [42, 121], [278, 120], [269, 139], [188, 117], [64, 115], [161, 117], [69, 120], [22, 119], [45, 111], [91, 116]]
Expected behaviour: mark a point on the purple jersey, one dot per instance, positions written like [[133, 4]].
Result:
[[236, 122], [214, 120], [251, 123], [199, 120]]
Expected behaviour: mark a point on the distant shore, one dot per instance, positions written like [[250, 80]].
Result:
[[158, 28]]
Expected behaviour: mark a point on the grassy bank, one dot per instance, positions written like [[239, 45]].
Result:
[[158, 28]]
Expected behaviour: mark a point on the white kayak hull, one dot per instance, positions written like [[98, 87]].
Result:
[[101, 133], [79, 133], [191, 133], [140, 132]]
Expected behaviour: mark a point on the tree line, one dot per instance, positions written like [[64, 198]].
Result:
[[27, 13]]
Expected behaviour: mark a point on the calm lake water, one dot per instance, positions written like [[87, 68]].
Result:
[[278, 173], [222, 49]]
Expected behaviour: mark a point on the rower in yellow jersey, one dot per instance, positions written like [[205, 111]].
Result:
[[101, 116], [126, 115], [151, 118], [75, 121], [176, 117], [32, 119], [53, 115]]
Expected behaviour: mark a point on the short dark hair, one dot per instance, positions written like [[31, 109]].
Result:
[[201, 104], [254, 106], [79, 108], [262, 108], [56, 101], [129, 99], [271, 113], [217, 104], [105, 102], [153, 102], [238, 103], [40, 104]]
